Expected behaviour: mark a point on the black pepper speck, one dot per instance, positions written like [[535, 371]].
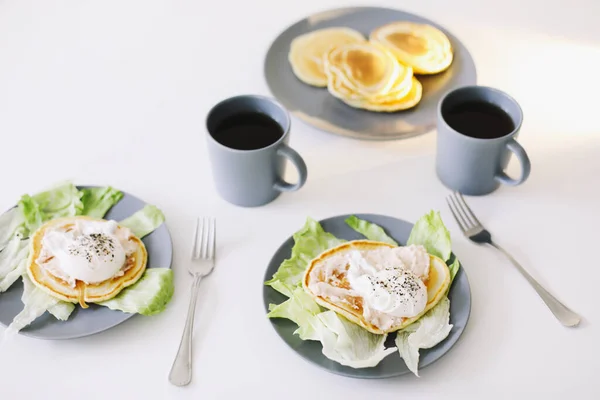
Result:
[[92, 246]]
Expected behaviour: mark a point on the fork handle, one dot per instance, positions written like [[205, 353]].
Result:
[[181, 371], [560, 311]]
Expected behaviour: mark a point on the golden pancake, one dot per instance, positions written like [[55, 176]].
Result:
[[81, 292], [425, 48], [391, 104], [307, 52], [339, 87], [351, 307], [368, 69]]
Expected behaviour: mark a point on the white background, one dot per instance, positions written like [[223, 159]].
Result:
[[116, 92]]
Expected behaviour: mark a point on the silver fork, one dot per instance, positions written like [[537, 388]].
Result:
[[472, 229], [203, 262]]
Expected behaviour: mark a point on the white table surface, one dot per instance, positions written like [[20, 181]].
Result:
[[116, 92]]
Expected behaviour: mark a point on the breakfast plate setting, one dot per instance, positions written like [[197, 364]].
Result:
[[64, 252], [274, 267], [436, 323]]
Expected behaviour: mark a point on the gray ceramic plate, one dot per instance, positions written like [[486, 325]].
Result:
[[392, 365], [95, 319], [318, 108]]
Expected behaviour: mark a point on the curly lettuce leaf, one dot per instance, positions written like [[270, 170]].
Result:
[[301, 309], [145, 221], [61, 201], [36, 303], [430, 232], [148, 296], [65, 201], [349, 344], [61, 310], [369, 230], [97, 201], [12, 223], [9, 255], [13, 261], [31, 212], [13, 276], [342, 340], [309, 242], [425, 333], [453, 270]]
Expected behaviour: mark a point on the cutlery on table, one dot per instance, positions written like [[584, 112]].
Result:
[[474, 230], [202, 264]]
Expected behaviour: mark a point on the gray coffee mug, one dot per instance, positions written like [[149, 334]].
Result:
[[251, 178], [472, 165]]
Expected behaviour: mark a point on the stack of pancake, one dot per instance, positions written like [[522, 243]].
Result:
[[376, 74]]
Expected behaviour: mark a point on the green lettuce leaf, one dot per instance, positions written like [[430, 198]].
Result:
[[61, 310], [349, 344], [342, 340], [369, 230], [36, 303], [425, 333], [13, 262], [301, 309], [31, 212], [453, 270], [13, 275], [8, 257], [144, 221], [430, 232], [12, 222], [97, 201], [148, 296], [309, 242], [60, 201]]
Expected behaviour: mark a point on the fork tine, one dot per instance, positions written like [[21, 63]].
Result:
[[195, 247], [466, 214], [468, 210], [466, 222], [456, 214], [201, 236], [213, 238], [205, 236]]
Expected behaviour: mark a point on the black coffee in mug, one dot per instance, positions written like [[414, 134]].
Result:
[[247, 138], [479, 119], [477, 128], [247, 131]]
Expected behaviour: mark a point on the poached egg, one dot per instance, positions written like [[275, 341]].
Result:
[[87, 251], [390, 287]]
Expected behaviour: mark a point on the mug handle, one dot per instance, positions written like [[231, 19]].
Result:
[[521, 155], [292, 155]]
